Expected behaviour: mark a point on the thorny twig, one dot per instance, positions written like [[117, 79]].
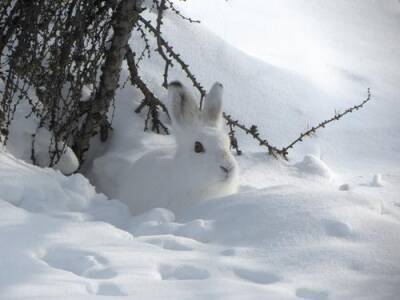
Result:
[[150, 100], [146, 49], [336, 117], [253, 131], [175, 56], [232, 137], [168, 62], [178, 13]]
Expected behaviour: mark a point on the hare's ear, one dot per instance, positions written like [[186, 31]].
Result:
[[184, 107], [213, 105]]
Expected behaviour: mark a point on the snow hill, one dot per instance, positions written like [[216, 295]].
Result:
[[324, 225]]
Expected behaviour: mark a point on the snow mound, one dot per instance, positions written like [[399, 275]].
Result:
[[68, 162], [377, 180], [50, 192], [312, 165], [24, 133]]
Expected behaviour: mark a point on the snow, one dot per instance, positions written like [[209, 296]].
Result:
[[324, 225], [284, 241], [25, 133]]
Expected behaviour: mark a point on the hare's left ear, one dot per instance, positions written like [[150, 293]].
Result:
[[184, 107], [212, 112]]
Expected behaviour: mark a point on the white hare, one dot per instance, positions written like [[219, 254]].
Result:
[[199, 166]]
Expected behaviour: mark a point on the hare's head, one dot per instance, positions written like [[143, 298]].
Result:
[[202, 144]]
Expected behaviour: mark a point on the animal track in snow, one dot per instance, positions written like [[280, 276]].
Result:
[[337, 228], [183, 272], [311, 294], [257, 276], [345, 187], [109, 289], [81, 263], [199, 230], [171, 242], [356, 265], [229, 252]]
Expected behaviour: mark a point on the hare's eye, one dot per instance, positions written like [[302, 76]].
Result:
[[198, 147]]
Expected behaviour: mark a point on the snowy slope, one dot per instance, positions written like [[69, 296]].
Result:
[[340, 47], [318, 227]]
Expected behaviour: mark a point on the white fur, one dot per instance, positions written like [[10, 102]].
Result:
[[176, 176]]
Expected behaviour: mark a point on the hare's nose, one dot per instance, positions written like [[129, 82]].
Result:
[[226, 170]]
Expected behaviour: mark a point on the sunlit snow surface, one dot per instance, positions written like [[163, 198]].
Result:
[[300, 236], [330, 42], [324, 225]]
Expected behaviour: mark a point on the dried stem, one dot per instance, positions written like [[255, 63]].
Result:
[[336, 117], [125, 18], [150, 100], [253, 131], [168, 62], [178, 13], [176, 57]]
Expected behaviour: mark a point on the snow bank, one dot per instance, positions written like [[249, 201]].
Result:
[[25, 133], [51, 193], [281, 242]]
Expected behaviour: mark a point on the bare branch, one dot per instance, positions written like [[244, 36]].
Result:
[[125, 18], [178, 13], [168, 62], [150, 100], [175, 56], [336, 117], [253, 131]]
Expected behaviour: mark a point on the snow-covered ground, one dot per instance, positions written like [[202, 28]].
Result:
[[301, 237], [324, 225]]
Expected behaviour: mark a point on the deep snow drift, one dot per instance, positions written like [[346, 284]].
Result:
[[287, 241], [323, 226]]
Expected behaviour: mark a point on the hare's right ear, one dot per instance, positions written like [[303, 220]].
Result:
[[184, 107], [213, 105]]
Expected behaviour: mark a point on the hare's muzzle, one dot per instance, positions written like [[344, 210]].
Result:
[[226, 171]]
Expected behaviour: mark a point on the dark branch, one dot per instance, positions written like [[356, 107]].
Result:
[[336, 117], [175, 56], [253, 131], [150, 100]]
